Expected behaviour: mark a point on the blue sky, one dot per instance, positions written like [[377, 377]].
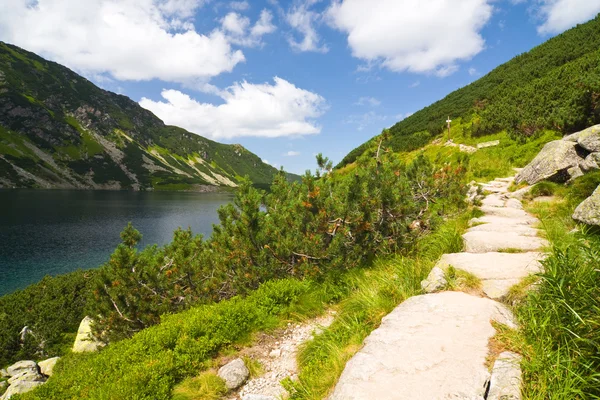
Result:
[[286, 79]]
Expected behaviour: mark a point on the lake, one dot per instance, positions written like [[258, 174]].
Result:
[[51, 232]]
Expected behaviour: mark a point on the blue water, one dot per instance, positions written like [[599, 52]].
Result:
[[50, 232]]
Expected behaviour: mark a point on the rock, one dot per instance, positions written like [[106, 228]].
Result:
[[494, 265], [488, 144], [588, 211], [574, 172], [591, 162], [234, 373], [552, 162], [26, 376], [432, 346], [494, 200], [20, 387], [507, 212], [85, 341], [275, 353], [519, 194], [47, 366], [494, 219], [467, 149], [436, 280], [485, 242], [4, 373], [505, 383], [22, 366], [514, 203], [589, 138], [3, 385], [497, 289], [523, 230]]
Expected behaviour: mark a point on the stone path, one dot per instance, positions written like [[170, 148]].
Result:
[[434, 346]]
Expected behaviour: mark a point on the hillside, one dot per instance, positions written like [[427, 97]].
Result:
[[554, 86], [59, 130]]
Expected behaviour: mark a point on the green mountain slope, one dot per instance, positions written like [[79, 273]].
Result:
[[58, 130], [556, 85]]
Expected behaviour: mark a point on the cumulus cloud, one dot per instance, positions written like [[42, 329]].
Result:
[[260, 110], [239, 5], [292, 153], [126, 39], [560, 15], [238, 30], [363, 120], [303, 20], [412, 35], [368, 101], [473, 71]]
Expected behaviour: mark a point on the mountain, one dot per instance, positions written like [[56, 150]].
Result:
[[554, 86], [59, 130]]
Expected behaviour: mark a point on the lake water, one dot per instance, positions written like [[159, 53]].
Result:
[[51, 232]]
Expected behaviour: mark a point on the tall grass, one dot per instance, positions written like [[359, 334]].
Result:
[[377, 292]]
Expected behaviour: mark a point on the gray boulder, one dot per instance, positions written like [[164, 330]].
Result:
[[22, 366], [588, 211], [552, 162], [591, 162], [574, 172], [4, 373], [589, 138], [234, 373], [47, 366], [26, 376]]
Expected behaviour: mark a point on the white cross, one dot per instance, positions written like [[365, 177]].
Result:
[[448, 120]]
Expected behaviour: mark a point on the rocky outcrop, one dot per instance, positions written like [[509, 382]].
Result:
[[588, 211], [589, 139], [85, 340], [436, 280], [24, 376], [234, 373], [552, 162]]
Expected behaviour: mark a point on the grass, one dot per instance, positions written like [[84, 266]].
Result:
[[206, 386], [560, 318], [376, 293], [512, 250], [462, 281], [255, 367]]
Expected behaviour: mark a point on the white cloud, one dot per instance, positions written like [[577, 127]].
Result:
[[238, 31], [266, 161], [473, 71], [371, 101], [414, 84], [303, 20], [260, 110], [560, 15], [292, 153], [239, 5], [412, 35], [402, 116], [127, 39]]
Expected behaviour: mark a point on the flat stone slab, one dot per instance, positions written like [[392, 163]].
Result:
[[497, 289], [494, 265], [494, 219], [508, 212], [485, 242], [432, 346], [523, 230], [494, 200], [506, 377]]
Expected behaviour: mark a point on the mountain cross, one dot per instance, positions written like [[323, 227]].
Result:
[[448, 121]]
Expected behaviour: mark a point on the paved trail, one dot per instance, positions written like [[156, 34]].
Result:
[[434, 346]]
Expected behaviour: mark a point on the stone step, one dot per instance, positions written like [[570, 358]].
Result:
[[497, 289], [494, 200], [523, 230], [507, 212], [494, 219], [485, 242], [494, 265], [432, 346]]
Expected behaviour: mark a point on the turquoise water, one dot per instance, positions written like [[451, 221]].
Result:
[[50, 232]]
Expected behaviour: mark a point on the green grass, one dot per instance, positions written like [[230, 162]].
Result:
[[206, 386], [376, 292], [459, 280], [560, 317], [255, 367]]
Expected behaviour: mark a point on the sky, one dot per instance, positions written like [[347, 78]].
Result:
[[286, 79]]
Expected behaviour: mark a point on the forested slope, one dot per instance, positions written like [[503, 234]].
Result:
[[554, 86], [58, 130]]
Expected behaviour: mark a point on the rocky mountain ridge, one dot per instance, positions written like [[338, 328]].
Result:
[[59, 130]]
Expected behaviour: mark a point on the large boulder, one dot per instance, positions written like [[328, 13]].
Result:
[[589, 138], [591, 162], [25, 376], [20, 387], [552, 162], [234, 373], [85, 340], [47, 366], [588, 211]]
